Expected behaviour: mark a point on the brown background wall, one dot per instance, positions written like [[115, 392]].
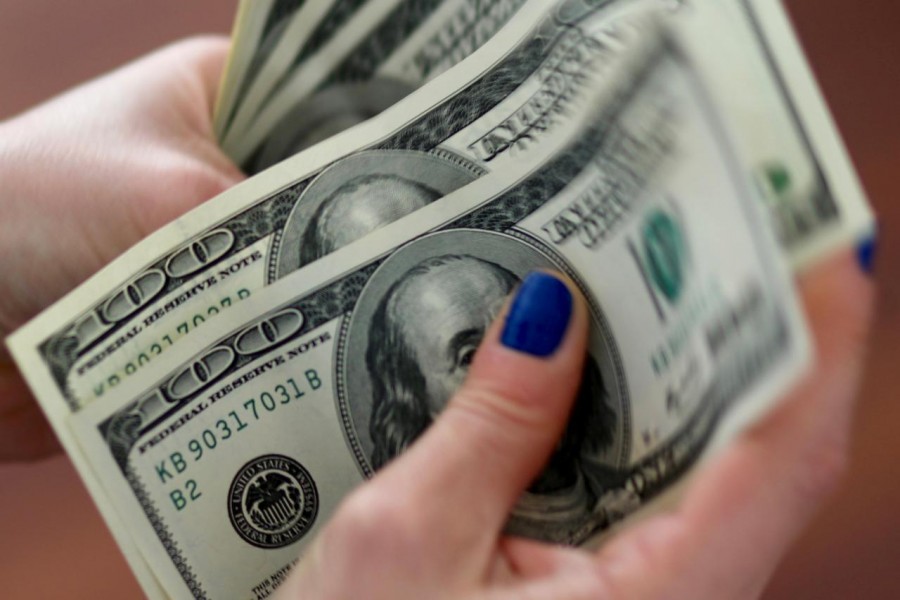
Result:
[[52, 541]]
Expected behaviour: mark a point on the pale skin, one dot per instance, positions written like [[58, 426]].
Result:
[[84, 177], [92, 172]]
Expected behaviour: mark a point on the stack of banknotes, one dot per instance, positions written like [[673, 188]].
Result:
[[223, 384]]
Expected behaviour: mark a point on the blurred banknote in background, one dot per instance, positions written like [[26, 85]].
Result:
[[339, 62]]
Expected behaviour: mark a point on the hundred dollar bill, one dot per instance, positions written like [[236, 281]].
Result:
[[363, 59], [228, 465], [297, 38], [823, 206], [478, 120], [491, 109], [302, 36], [95, 365], [105, 338], [802, 175], [259, 25]]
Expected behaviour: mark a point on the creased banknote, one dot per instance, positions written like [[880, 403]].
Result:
[[491, 110], [477, 121], [185, 292], [259, 26], [138, 319], [363, 58], [639, 196]]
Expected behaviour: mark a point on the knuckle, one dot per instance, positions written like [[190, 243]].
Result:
[[361, 518], [492, 422], [349, 535], [202, 182], [588, 580], [183, 182], [200, 46], [370, 517], [645, 550], [502, 409]]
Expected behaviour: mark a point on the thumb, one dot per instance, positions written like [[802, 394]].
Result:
[[500, 428]]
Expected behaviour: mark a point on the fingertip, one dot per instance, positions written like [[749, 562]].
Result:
[[539, 315], [544, 317], [867, 252], [839, 299]]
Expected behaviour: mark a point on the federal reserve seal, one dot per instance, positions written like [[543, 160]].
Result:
[[272, 501]]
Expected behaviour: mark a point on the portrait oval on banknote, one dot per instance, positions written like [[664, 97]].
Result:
[[407, 347], [361, 193], [328, 112]]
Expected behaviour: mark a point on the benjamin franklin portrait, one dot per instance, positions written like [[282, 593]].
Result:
[[362, 193], [360, 206], [421, 340], [327, 112]]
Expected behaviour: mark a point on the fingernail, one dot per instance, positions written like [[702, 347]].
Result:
[[539, 316], [866, 252]]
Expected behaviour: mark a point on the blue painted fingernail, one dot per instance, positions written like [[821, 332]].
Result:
[[866, 252], [539, 316]]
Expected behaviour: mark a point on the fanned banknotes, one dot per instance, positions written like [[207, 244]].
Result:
[[359, 59], [487, 113], [574, 138], [259, 26], [639, 197]]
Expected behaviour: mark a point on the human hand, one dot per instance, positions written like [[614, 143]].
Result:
[[84, 177], [429, 525]]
